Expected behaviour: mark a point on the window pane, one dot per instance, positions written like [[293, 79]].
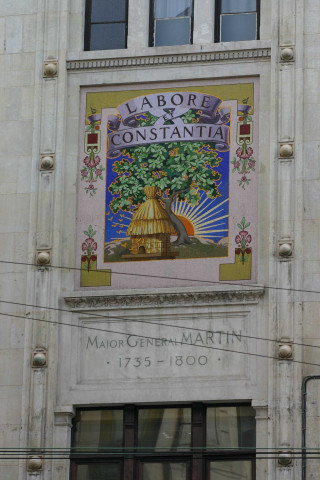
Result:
[[108, 36], [172, 32], [108, 11], [235, 6], [231, 427], [238, 27], [98, 428], [164, 471], [164, 428], [172, 8], [96, 471], [237, 470]]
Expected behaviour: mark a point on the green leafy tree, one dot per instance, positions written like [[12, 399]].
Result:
[[179, 169]]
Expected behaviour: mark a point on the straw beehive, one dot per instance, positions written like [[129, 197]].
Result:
[[150, 227]]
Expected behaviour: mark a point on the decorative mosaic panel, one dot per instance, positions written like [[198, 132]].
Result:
[[167, 190]]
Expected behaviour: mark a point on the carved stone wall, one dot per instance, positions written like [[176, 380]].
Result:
[[56, 357]]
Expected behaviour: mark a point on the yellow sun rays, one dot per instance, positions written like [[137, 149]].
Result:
[[205, 218]]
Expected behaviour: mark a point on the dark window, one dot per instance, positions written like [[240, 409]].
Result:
[[237, 20], [186, 442], [171, 22], [106, 24]]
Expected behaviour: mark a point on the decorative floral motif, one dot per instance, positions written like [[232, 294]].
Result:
[[92, 169], [91, 172], [244, 163], [243, 239], [89, 248]]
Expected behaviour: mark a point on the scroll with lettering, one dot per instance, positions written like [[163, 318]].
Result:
[[168, 111]]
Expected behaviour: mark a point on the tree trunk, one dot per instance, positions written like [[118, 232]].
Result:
[[183, 238]]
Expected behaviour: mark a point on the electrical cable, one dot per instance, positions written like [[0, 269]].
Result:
[[148, 322], [212, 459], [67, 454], [256, 456], [133, 320], [157, 338], [211, 282], [172, 278], [156, 449]]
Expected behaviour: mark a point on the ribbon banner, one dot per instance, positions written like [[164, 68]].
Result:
[[168, 108]]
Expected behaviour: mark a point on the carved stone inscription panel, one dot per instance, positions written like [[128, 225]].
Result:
[[146, 348]]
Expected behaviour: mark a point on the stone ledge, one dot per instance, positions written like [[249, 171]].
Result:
[[128, 299], [63, 416], [174, 59]]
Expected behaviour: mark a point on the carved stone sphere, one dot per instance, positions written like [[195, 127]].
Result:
[[285, 250], [50, 69], [286, 150], [284, 458], [286, 54], [43, 258], [39, 359], [34, 463], [285, 351], [47, 162]]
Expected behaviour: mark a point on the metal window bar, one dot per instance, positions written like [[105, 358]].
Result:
[[88, 23], [153, 18], [219, 15]]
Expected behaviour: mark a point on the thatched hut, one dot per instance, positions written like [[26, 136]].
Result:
[[150, 228]]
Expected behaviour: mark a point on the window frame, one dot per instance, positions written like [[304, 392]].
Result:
[[217, 21], [152, 25], [88, 24], [197, 457]]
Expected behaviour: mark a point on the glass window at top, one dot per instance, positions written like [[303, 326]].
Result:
[[106, 24], [237, 20], [171, 22], [237, 6], [164, 429], [171, 8], [231, 427], [98, 429], [215, 442]]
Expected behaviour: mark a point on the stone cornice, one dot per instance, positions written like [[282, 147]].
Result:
[[169, 59], [246, 295]]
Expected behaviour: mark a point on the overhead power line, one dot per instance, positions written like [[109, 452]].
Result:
[[155, 338], [101, 450], [166, 277], [149, 322], [74, 453]]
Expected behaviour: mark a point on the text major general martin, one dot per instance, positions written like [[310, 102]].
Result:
[[133, 341]]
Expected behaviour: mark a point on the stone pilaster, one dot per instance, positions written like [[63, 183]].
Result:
[[288, 198]]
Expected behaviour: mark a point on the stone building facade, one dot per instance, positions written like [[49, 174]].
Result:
[[91, 344]]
